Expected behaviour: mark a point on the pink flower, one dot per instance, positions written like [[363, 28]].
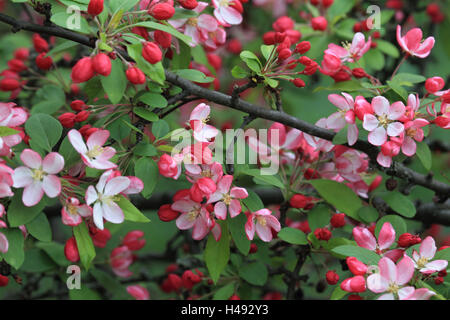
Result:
[[104, 197], [121, 258], [6, 181], [93, 154], [426, 253], [194, 215], [202, 131], [383, 123], [263, 222], [225, 197], [73, 212], [421, 294], [364, 238], [392, 279], [38, 176], [4, 244], [346, 115], [168, 167], [319, 144], [354, 284], [351, 52], [138, 292], [11, 116], [413, 132], [226, 13], [331, 64], [412, 42], [389, 150]]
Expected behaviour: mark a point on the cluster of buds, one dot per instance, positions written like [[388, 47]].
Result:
[[88, 67]]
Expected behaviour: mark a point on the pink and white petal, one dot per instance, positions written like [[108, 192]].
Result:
[[77, 141], [220, 210], [386, 296], [84, 211], [31, 159], [396, 111], [200, 229], [22, 177], [380, 105], [263, 212], [207, 22], [273, 223], [235, 208], [32, 194], [387, 236], [107, 153], [183, 205], [364, 238], [112, 212], [409, 147], [263, 232], [436, 265], [98, 138], [428, 248], [276, 135], [388, 269], [394, 255], [101, 164], [4, 244], [377, 284], [405, 270], [405, 293], [293, 139], [98, 215], [370, 122], [216, 231], [230, 15], [250, 227], [400, 39], [352, 134], [425, 48], [70, 219], [91, 195], [53, 163], [225, 183], [239, 193], [339, 101], [378, 137], [51, 185], [336, 121], [421, 294], [413, 38], [395, 129], [384, 161], [184, 222], [116, 185], [200, 112], [216, 196]]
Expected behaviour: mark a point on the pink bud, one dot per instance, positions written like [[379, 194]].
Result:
[[102, 64], [83, 70], [434, 84], [356, 267]]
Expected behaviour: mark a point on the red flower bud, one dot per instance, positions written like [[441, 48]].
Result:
[[95, 7], [16, 65], [151, 52], [82, 116], [39, 43], [322, 234], [303, 47], [83, 70], [190, 279], [332, 277], [4, 280], [356, 267], [99, 237], [284, 54], [394, 4], [375, 183], [188, 4], [319, 23], [78, 105], [293, 35], [300, 201], [359, 73], [357, 27], [162, 11], [283, 23], [135, 75], [164, 39], [234, 297], [354, 284], [269, 38], [9, 84], [355, 297], [215, 61], [67, 119], [407, 239], [327, 3], [253, 248], [43, 62], [133, 240], [102, 64], [311, 174], [175, 281], [71, 250], [234, 46], [338, 220], [434, 84], [299, 83], [166, 214], [439, 280], [22, 53], [141, 31]]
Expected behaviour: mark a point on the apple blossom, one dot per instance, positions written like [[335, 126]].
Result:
[[412, 42], [422, 259], [263, 222], [226, 196]]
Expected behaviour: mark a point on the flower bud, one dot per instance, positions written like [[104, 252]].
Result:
[[338, 220], [151, 52], [327, 3], [102, 64], [9, 84], [319, 23], [359, 73], [362, 107], [141, 31], [407, 239], [22, 54], [439, 280], [190, 279], [67, 119], [71, 250], [43, 62], [78, 105], [95, 7], [83, 70], [162, 11], [354, 284], [234, 297], [284, 54], [99, 237], [16, 65], [166, 214], [138, 292], [234, 46], [322, 234], [164, 39], [356, 267], [283, 23], [82, 116], [300, 201], [355, 297], [215, 61], [357, 27], [299, 83], [135, 75], [133, 240], [4, 280], [39, 43], [188, 4], [269, 38], [253, 248], [434, 84], [390, 149], [175, 281], [332, 277], [375, 183], [303, 47]]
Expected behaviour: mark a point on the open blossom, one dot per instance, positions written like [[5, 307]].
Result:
[[199, 117], [227, 196], [319, 144], [422, 259], [392, 279], [6, 181], [194, 215], [4, 244], [412, 42], [104, 197], [346, 115], [228, 12], [351, 52], [382, 123], [364, 238], [93, 154], [38, 176], [12, 117], [262, 222], [73, 212], [121, 259]]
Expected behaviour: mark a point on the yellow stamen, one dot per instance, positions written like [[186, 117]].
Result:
[[227, 199], [38, 174]]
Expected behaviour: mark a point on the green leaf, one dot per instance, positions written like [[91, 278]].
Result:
[[145, 149], [374, 59], [362, 254], [423, 152], [55, 251], [72, 21], [265, 179], [368, 214], [19, 214], [169, 29], [443, 255], [388, 48], [15, 255], [84, 294], [37, 261], [37, 127], [397, 88], [318, 217], [293, 236], [253, 201], [84, 244], [7, 131], [145, 114], [338, 293], [408, 79], [160, 128], [254, 273], [130, 211], [239, 73], [398, 223], [193, 75], [116, 83], [147, 170], [266, 50], [251, 60], [336, 242], [40, 228], [225, 292], [341, 136], [339, 195], [217, 253], [153, 100], [237, 230], [400, 203], [117, 128]]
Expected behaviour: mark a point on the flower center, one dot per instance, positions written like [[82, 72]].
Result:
[[72, 209], [38, 174], [223, 3], [95, 152], [411, 132], [227, 199], [422, 262], [384, 121], [262, 221], [207, 173], [192, 22], [393, 288], [193, 214]]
